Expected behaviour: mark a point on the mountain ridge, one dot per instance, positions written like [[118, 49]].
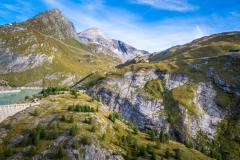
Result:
[[49, 40], [122, 50]]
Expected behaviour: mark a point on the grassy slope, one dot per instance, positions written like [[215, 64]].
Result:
[[214, 45], [113, 131], [69, 57]]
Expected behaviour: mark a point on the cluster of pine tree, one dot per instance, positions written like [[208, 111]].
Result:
[[81, 108]]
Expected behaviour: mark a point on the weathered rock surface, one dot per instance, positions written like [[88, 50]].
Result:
[[208, 113], [221, 83], [91, 152], [175, 80], [121, 95], [12, 62]]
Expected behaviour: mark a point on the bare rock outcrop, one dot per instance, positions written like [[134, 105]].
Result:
[[12, 62]]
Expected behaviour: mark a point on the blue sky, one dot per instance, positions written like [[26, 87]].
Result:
[[152, 25]]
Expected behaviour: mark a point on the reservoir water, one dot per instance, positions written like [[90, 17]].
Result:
[[11, 98]]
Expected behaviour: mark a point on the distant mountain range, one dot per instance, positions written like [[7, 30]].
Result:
[[121, 49]]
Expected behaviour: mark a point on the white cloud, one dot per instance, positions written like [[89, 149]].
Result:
[[128, 27], [173, 5]]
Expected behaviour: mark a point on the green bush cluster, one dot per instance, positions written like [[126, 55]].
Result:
[[163, 137], [86, 140], [73, 130], [81, 108], [135, 150], [60, 152], [52, 91], [88, 120], [70, 119], [113, 116], [74, 92], [152, 134], [34, 136], [134, 127], [154, 88]]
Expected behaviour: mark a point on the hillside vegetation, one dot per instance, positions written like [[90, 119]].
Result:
[[70, 121]]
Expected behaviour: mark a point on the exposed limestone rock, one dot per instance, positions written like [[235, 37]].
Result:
[[69, 80], [209, 114], [17, 29], [175, 80], [121, 95], [221, 83], [11, 62], [91, 152]]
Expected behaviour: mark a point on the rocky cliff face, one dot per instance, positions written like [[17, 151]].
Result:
[[91, 151], [125, 94], [11, 62], [174, 80], [121, 49], [208, 113], [122, 95]]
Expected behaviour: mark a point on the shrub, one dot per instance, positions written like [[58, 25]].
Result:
[[163, 137], [113, 116], [88, 120], [81, 108], [71, 108], [134, 127], [50, 135], [74, 92], [188, 143], [36, 138], [60, 152], [167, 153], [8, 126], [177, 154], [86, 140], [63, 118], [141, 151], [52, 91], [73, 131], [75, 144], [71, 119], [92, 129], [151, 133]]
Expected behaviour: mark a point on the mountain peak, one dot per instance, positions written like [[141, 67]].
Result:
[[54, 23], [93, 33], [121, 49]]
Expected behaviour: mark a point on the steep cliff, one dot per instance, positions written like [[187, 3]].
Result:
[[191, 99]]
